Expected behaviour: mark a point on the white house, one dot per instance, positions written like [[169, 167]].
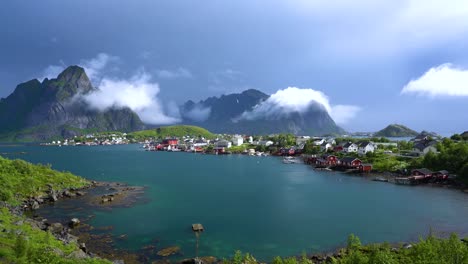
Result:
[[200, 143], [237, 140], [422, 148], [325, 146], [350, 147], [223, 144], [266, 143], [318, 141], [365, 146]]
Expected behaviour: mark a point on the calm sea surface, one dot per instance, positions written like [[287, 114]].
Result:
[[254, 204]]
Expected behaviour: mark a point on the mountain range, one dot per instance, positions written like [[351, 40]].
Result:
[[235, 113], [38, 111], [54, 108]]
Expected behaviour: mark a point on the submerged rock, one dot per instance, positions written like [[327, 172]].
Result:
[[35, 205], [168, 251], [74, 222], [68, 194]]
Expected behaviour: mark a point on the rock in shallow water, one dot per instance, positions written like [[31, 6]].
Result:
[[168, 251], [74, 222]]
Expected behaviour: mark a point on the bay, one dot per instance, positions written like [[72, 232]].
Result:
[[254, 204]]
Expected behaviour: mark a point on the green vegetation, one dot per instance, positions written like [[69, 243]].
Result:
[[452, 156], [383, 162], [396, 130], [171, 131], [283, 140], [241, 148], [431, 250], [458, 137], [20, 180], [21, 243]]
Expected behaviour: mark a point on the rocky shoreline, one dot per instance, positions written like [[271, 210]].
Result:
[[109, 194]]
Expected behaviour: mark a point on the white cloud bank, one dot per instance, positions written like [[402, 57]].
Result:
[[293, 99], [443, 80], [198, 113], [138, 93], [95, 67]]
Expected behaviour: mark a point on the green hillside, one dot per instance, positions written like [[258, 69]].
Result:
[[171, 131], [20, 179], [396, 130], [21, 241]]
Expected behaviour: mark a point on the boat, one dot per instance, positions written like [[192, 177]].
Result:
[[291, 160]]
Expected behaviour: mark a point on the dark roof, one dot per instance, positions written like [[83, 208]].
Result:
[[347, 144], [324, 143], [423, 171], [327, 156], [363, 144], [422, 145], [349, 159], [442, 172], [321, 160]]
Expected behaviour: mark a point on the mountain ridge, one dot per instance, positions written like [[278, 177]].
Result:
[[225, 116], [38, 111]]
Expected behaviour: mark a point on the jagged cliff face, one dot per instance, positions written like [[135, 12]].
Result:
[[38, 111]]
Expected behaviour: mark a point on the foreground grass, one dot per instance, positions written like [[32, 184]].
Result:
[[20, 242], [431, 250], [20, 180]]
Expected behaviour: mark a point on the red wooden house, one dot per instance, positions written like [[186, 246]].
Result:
[[331, 159], [422, 173], [170, 142], [441, 175], [321, 162], [364, 167], [350, 162]]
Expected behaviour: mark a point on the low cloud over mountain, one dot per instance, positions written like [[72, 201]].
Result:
[[296, 100]]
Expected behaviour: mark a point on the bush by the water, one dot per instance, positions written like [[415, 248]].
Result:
[[20, 179]]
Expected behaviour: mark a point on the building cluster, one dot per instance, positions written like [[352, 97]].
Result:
[[92, 140]]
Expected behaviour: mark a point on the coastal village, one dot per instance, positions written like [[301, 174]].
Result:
[[347, 154]]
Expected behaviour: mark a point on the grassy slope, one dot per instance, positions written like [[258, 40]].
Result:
[[172, 131], [20, 180], [19, 241]]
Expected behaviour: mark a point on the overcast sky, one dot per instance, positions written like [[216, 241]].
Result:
[[374, 62]]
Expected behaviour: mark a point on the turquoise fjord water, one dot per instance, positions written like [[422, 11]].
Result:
[[254, 204]]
